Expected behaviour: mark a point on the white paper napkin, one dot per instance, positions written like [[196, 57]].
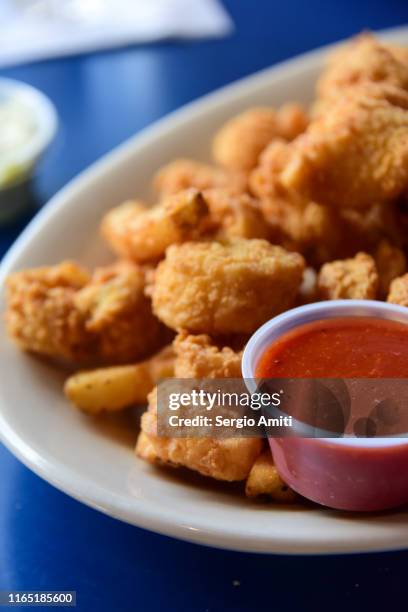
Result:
[[40, 29]]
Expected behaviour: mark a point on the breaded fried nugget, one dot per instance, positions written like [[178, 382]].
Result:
[[363, 59], [310, 228], [399, 291], [235, 215], [142, 234], [391, 263], [356, 153], [199, 357], [41, 314], [238, 143], [221, 288], [354, 278], [59, 311], [264, 479], [118, 312], [228, 459], [185, 173]]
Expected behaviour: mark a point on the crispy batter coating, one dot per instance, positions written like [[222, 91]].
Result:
[[118, 312], [142, 234], [356, 153], [41, 315], [264, 479], [185, 173], [222, 288], [59, 311], [391, 263], [354, 278], [228, 459], [264, 180], [235, 215], [362, 59], [399, 291], [238, 143], [200, 357]]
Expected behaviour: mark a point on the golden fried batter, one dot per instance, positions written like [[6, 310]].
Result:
[[399, 291], [222, 288], [238, 144], [363, 59], [391, 263], [356, 153], [142, 234], [59, 311], [200, 357], [264, 479], [41, 315], [235, 215], [228, 459], [354, 278], [185, 173]]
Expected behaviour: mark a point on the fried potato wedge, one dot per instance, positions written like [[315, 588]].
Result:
[[264, 479], [115, 388]]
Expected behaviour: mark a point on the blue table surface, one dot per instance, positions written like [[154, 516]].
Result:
[[47, 540]]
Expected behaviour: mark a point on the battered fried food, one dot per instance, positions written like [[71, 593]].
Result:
[[119, 314], [363, 59], [356, 153], [354, 278], [235, 215], [114, 388], [60, 311], [264, 479], [142, 234], [391, 263], [200, 357], [238, 143], [41, 314], [221, 288], [399, 291], [223, 459], [185, 173]]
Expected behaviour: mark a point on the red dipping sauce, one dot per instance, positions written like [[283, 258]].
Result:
[[349, 473], [346, 347]]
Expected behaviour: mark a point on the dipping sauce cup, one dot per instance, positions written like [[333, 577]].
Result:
[[347, 473]]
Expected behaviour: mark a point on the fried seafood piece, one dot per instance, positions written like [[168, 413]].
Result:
[[363, 59], [185, 173], [240, 141], [264, 480], [235, 215], [61, 311], [119, 314], [41, 315], [391, 263], [229, 459], [310, 228], [356, 153], [200, 357], [354, 278], [399, 291], [222, 288], [114, 388], [142, 234]]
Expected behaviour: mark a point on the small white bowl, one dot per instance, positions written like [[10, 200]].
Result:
[[15, 194]]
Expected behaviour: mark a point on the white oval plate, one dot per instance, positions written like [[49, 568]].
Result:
[[71, 452]]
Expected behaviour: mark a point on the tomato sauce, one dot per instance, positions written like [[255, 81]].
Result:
[[349, 347], [363, 475]]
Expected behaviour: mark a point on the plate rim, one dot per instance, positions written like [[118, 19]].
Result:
[[91, 494]]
